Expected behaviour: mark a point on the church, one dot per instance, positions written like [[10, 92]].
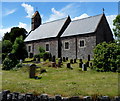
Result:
[[66, 38]]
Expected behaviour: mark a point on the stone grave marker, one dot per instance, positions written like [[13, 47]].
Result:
[[64, 60], [81, 61], [69, 66], [80, 65], [87, 63], [84, 67], [75, 61], [71, 61], [32, 71]]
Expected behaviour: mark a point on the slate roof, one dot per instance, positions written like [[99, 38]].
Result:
[[46, 30], [82, 26]]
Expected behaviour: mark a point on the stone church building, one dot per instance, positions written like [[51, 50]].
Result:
[[66, 38]]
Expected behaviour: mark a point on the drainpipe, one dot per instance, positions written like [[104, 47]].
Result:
[[76, 45]]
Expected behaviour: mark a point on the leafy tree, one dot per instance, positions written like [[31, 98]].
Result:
[[106, 57], [116, 23], [6, 46], [19, 48], [14, 33]]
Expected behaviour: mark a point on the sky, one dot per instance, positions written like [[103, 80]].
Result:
[[18, 14]]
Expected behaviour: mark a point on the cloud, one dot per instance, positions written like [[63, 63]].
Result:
[[110, 19], [24, 25], [8, 12], [3, 31], [29, 9], [64, 12], [81, 16]]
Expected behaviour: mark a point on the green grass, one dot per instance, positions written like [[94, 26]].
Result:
[[62, 81]]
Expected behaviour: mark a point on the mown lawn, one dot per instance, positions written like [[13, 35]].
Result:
[[61, 81]]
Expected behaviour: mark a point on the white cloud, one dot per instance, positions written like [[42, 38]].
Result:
[[110, 19], [3, 31], [29, 9], [8, 12], [64, 12], [24, 25], [81, 16]]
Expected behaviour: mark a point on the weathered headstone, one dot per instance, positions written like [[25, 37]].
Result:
[[81, 61], [84, 67], [90, 64], [64, 60], [69, 66], [71, 61], [32, 71], [87, 63], [59, 63], [75, 61], [80, 65]]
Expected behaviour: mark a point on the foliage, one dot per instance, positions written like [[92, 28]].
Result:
[[46, 56], [6, 46], [14, 33], [19, 48], [106, 57], [41, 50], [116, 23], [10, 62]]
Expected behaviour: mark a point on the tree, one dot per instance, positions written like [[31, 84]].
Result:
[[19, 48], [116, 23], [106, 57], [14, 33], [6, 48]]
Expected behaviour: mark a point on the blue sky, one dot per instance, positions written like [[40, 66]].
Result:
[[19, 13]]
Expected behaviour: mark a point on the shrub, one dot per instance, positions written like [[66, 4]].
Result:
[[46, 56], [41, 50], [106, 57], [9, 63]]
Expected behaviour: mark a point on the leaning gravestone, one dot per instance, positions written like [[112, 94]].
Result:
[[32, 71], [69, 66]]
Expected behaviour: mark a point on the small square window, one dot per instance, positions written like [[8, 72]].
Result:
[[82, 43], [66, 45], [47, 47]]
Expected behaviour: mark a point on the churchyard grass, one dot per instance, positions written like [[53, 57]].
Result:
[[61, 81]]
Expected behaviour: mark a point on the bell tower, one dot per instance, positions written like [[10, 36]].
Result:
[[35, 21]]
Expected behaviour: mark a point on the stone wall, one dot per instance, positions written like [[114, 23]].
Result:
[[75, 51], [7, 96], [53, 43]]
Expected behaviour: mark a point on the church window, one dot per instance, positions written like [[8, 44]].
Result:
[[29, 48], [66, 45], [82, 43], [47, 47]]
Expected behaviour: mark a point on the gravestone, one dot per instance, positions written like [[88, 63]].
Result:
[[88, 57], [80, 65], [53, 59], [32, 71], [71, 61], [64, 60], [59, 63], [75, 61], [90, 64], [69, 66], [84, 67], [87, 63], [81, 61]]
